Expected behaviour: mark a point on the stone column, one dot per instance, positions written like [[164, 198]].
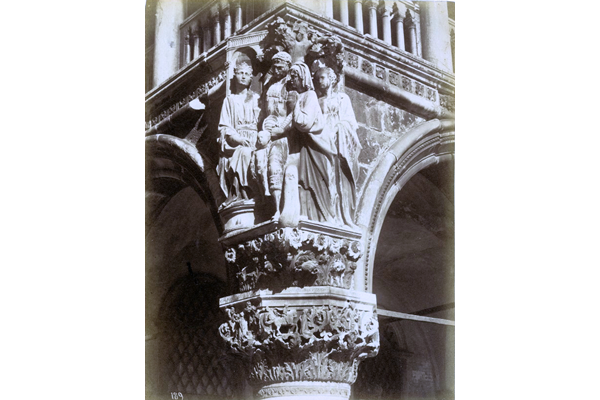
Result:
[[197, 35], [386, 11], [398, 22], [237, 12], [206, 37], [358, 16], [410, 25], [344, 19], [294, 318], [226, 14], [216, 20], [372, 6], [435, 34], [187, 47], [169, 15]]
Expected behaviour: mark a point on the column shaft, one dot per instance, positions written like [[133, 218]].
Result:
[[344, 19], [386, 24], [358, 16], [169, 15], [399, 25], [197, 41], [226, 13], [435, 34], [216, 27], [237, 6], [372, 17]]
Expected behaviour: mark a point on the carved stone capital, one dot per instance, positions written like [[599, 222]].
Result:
[[225, 7], [302, 335], [372, 4], [399, 10], [385, 10], [409, 20], [269, 257]]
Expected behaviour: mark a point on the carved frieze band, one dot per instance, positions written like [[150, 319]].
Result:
[[197, 92], [293, 257], [394, 78]]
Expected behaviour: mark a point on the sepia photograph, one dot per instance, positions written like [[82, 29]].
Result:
[[299, 199]]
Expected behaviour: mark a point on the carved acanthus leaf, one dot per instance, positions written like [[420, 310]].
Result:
[[293, 257]]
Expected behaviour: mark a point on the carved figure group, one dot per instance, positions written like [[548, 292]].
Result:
[[292, 148]]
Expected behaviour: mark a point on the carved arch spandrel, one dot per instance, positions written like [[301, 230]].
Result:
[[430, 143], [181, 161]]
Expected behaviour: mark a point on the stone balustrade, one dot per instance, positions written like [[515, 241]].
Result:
[[212, 23]]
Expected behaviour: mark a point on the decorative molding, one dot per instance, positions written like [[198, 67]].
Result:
[[380, 72], [447, 102], [419, 89], [196, 93], [367, 67], [245, 40], [352, 60], [305, 389], [394, 78]]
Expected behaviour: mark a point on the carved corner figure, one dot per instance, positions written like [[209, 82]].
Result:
[[312, 150], [340, 122], [238, 134], [274, 110]]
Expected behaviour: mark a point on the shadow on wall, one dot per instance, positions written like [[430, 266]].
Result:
[[193, 357]]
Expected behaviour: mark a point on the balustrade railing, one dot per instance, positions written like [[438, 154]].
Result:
[[394, 22], [213, 22]]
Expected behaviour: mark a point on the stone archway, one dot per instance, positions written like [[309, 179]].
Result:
[[410, 265], [430, 143]]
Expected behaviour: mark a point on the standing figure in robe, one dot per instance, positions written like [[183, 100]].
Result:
[[274, 110], [312, 150], [238, 134], [340, 122]]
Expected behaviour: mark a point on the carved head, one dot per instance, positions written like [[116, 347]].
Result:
[[281, 64], [300, 77], [325, 78], [243, 73]]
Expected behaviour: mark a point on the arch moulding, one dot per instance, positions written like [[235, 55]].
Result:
[[178, 159], [430, 143]]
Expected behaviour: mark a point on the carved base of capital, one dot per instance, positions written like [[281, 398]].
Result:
[[305, 390]]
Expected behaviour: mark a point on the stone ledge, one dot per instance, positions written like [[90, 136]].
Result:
[[302, 297]]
